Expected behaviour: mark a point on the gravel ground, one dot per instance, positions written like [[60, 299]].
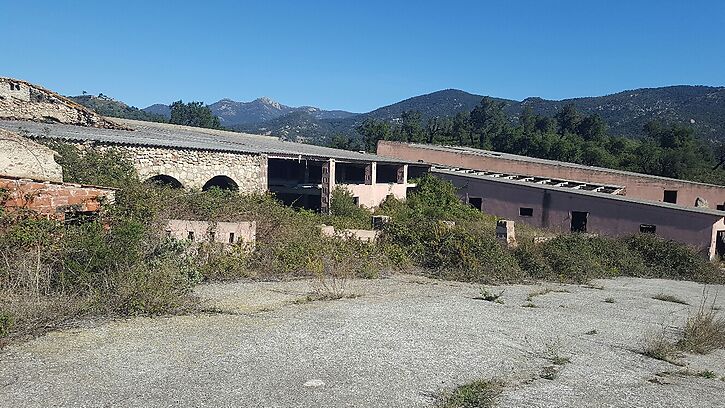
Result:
[[398, 344]]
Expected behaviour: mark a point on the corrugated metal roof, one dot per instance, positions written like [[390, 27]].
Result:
[[603, 196], [186, 137]]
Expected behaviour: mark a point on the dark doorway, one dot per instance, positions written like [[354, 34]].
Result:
[[720, 244], [579, 221], [164, 180], [670, 196], [476, 202], [222, 182]]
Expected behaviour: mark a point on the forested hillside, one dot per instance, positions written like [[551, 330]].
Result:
[[665, 149]]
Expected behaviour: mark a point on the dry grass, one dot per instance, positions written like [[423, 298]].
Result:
[[704, 330], [658, 347], [476, 394], [669, 298]]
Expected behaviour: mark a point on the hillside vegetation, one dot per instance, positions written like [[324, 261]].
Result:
[[625, 113], [669, 150]]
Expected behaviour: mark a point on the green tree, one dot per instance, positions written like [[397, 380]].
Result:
[[193, 114], [567, 119], [373, 130], [412, 127], [488, 122]]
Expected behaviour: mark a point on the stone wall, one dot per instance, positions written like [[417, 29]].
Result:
[[194, 168], [23, 158], [20, 100]]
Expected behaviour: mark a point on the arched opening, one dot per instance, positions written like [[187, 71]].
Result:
[[165, 181], [222, 182]]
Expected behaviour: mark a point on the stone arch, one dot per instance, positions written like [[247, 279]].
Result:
[[222, 182], [165, 180]]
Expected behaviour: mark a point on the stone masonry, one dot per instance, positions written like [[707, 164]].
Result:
[[193, 168], [21, 100]]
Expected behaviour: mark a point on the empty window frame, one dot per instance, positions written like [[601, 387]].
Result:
[[476, 202], [647, 228], [526, 212], [231, 237], [190, 236], [721, 207], [670, 196]]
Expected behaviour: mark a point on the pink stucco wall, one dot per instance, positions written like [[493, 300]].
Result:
[[607, 215], [371, 195], [638, 186]]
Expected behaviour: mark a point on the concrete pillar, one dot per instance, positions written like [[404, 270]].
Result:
[[506, 233], [402, 174], [328, 184], [369, 173]]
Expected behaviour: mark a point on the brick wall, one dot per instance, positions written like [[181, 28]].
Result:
[[52, 199]]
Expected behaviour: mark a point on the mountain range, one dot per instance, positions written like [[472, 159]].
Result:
[[701, 107]]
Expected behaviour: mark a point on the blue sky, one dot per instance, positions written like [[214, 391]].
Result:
[[359, 55]]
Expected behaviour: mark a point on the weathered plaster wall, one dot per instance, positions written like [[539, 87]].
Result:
[[552, 209], [638, 186], [23, 158], [207, 231], [24, 101]]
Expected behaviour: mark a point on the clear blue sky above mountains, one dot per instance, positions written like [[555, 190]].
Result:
[[358, 56]]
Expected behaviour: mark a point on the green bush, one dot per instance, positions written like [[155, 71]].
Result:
[[345, 213], [579, 258], [6, 323], [672, 260]]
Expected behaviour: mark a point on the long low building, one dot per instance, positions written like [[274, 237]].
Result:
[[567, 207], [636, 185], [299, 174]]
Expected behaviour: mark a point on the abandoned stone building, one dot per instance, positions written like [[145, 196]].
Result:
[[21, 100], [570, 197], [31, 179], [298, 174]]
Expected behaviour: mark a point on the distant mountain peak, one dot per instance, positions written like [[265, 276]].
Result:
[[269, 102]]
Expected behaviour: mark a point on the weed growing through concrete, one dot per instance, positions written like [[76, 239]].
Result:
[[476, 394], [609, 300], [591, 332], [704, 330], [552, 352], [544, 291], [669, 298], [529, 304], [489, 296], [710, 375]]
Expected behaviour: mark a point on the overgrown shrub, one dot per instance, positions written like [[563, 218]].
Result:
[[6, 323], [345, 213], [579, 258], [668, 259]]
